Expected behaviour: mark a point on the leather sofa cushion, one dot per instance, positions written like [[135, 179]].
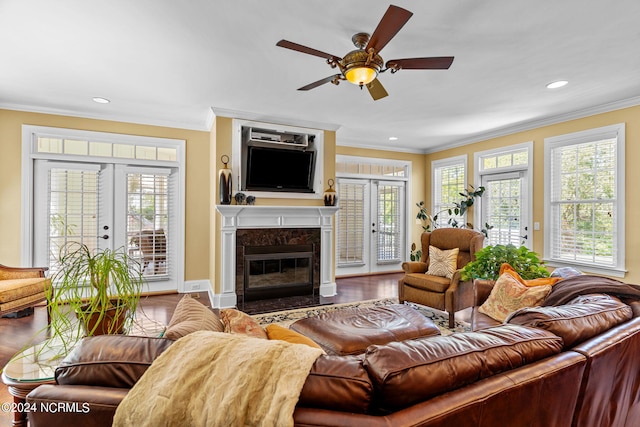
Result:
[[582, 318], [352, 330], [110, 360], [405, 373], [339, 383]]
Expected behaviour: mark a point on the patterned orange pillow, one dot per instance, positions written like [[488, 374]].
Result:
[[238, 322], [443, 263], [506, 268], [509, 295]]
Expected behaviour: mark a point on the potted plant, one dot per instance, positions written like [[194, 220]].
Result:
[[490, 258], [99, 288]]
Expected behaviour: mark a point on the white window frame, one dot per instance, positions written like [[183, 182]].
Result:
[[479, 156], [30, 153], [402, 172], [435, 183], [616, 131]]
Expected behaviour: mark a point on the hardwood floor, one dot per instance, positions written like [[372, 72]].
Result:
[[16, 333]]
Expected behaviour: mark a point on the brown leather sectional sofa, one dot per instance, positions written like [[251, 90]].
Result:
[[505, 375]]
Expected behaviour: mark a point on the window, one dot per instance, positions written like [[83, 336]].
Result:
[[106, 191], [584, 210], [449, 180], [506, 203], [371, 221]]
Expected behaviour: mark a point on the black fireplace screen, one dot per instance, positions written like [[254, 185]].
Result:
[[274, 271]]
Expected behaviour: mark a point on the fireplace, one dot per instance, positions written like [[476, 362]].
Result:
[[277, 271], [293, 221], [277, 262]]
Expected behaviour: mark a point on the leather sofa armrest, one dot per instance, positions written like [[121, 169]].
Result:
[[74, 405], [481, 290], [414, 267], [110, 360]]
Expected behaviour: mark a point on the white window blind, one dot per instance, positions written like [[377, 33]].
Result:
[[586, 199], [503, 204], [389, 231], [449, 177], [74, 204], [148, 232], [351, 225]]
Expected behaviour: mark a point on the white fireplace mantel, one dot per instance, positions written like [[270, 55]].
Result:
[[235, 217]]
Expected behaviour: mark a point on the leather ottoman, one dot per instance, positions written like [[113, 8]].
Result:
[[352, 330]]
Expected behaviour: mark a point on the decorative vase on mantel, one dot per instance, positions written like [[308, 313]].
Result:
[[225, 182], [330, 195]]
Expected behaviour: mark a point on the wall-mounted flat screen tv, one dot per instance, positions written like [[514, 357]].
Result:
[[278, 169]]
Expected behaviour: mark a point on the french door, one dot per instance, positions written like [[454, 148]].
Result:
[[504, 206], [370, 226], [104, 205]]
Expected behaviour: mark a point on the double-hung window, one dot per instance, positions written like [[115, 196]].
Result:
[[584, 200], [449, 177]]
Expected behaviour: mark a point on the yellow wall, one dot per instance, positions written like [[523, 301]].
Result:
[[204, 149], [418, 181], [197, 182], [629, 116]]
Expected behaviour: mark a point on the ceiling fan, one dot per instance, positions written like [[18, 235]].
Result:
[[362, 66]]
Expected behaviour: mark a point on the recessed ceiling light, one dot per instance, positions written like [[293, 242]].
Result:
[[393, 138], [101, 100], [556, 85]]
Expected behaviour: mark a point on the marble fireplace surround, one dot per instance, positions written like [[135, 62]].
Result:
[[236, 217]]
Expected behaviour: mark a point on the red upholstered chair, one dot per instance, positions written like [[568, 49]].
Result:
[[438, 292]]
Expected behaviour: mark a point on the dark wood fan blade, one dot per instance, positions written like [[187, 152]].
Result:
[[434, 63], [393, 20], [376, 90], [304, 49], [319, 82]]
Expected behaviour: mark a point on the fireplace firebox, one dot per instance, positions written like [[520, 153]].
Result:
[[277, 271], [277, 262]]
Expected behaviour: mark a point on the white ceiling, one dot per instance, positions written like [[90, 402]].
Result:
[[174, 62]]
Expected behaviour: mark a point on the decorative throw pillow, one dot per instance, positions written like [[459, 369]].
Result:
[[190, 316], [277, 332], [506, 268], [442, 263], [238, 322], [509, 295]]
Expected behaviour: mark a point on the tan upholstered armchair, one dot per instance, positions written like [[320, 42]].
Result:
[[438, 292], [22, 288]]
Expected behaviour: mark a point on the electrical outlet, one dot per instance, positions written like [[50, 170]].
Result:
[[195, 287]]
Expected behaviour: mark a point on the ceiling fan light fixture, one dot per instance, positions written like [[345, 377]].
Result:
[[361, 68], [361, 75]]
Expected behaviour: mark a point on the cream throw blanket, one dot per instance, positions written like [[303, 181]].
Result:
[[218, 379]]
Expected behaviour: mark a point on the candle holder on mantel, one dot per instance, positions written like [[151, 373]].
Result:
[[330, 195], [225, 182]]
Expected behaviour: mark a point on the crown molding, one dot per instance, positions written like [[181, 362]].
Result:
[[534, 124], [177, 124], [347, 142], [265, 118]]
